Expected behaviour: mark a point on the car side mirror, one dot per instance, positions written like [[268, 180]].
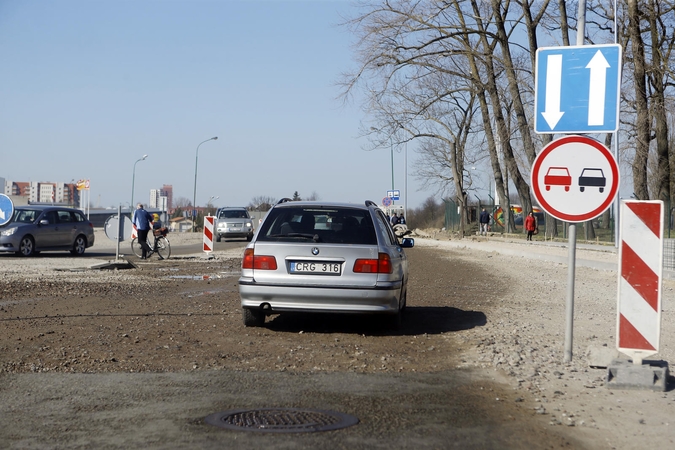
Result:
[[407, 242], [44, 222]]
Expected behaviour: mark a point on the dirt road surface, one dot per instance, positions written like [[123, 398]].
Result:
[[138, 358]]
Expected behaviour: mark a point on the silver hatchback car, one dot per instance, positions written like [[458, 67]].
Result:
[[324, 257], [36, 228]]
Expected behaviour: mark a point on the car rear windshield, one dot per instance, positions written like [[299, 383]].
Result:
[[233, 214], [311, 224]]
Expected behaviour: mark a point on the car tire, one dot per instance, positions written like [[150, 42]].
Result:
[[26, 246], [404, 294], [248, 238], [253, 317], [79, 246], [218, 238]]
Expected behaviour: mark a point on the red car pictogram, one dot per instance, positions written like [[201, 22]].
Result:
[[557, 176]]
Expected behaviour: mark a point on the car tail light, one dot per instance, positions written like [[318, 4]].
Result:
[[259, 262], [380, 265]]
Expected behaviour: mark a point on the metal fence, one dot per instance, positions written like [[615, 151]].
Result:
[[669, 254]]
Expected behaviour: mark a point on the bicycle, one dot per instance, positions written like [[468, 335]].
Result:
[[161, 246]]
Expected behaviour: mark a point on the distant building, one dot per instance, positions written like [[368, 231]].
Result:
[[162, 199], [42, 191]]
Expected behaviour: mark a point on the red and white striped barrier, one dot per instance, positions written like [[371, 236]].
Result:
[[640, 274], [134, 233], [208, 233]]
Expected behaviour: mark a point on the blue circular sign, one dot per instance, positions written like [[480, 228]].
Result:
[[6, 209]]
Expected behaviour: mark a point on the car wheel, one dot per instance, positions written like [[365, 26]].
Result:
[[253, 317], [404, 300], [79, 246], [248, 238], [26, 246], [218, 238]]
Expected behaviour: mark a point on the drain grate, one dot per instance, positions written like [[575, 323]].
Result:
[[281, 420]]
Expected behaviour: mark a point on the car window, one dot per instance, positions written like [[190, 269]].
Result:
[[311, 224], [233, 214], [64, 216], [25, 215], [386, 229], [78, 217], [51, 217]]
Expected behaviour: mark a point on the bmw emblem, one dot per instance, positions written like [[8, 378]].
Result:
[[315, 251]]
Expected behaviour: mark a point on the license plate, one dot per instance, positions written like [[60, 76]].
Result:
[[235, 229], [327, 268]]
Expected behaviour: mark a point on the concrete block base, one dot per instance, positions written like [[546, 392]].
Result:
[[651, 375], [601, 356]]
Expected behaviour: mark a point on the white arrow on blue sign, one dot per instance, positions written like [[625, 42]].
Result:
[[6, 209], [577, 89]]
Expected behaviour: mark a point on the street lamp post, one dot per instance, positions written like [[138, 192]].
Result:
[[194, 193], [391, 148], [213, 197], [133, 182]]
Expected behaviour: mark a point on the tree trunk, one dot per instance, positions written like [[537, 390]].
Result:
[[642, 112], [659, 111]]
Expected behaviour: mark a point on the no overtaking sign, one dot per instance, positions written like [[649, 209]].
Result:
[[575, 178]]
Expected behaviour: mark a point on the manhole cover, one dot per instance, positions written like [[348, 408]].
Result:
[[281, 420]]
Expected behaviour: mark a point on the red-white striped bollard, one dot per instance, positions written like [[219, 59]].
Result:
[[208, 233], [640, 274]]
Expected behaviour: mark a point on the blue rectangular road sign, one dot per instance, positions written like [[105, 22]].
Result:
[[577, 89], [394, 195]]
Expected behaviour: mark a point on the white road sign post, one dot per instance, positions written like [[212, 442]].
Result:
[[574, 179]]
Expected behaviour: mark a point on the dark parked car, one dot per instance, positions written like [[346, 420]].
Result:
[[33, 229], [324, 257]]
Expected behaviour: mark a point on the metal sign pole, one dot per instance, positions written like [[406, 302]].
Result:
[[569, 303], [119, 231]]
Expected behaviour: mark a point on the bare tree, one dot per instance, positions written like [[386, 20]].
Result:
[[457, 77], [261, 203]]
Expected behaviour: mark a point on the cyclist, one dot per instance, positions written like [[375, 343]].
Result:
[[142, 220]]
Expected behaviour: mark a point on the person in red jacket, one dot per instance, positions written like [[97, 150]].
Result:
[[530, 225]]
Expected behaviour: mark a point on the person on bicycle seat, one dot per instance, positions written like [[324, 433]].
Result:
[[156, 223]]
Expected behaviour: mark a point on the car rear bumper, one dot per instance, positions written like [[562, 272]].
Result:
[[280, 298]]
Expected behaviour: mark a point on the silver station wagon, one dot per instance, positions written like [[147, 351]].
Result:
[[36, 228], [324, 257]]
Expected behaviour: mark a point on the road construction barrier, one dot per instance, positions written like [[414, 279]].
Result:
[[640, 275], [208, 233]]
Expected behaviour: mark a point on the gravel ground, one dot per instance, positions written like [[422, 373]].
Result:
[[492, 306]]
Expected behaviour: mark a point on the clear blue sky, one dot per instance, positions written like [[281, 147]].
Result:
[[88, 87]]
